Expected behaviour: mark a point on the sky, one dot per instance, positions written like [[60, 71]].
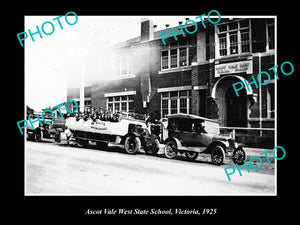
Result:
[[58, 58]]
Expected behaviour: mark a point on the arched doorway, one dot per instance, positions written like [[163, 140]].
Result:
[[232, 109]]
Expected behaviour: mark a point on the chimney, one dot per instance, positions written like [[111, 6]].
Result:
[[147, 30]]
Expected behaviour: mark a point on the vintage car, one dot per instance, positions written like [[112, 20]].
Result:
[[47, 130], [128, 131], [189, 134]]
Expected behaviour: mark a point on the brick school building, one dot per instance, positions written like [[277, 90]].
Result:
[[193, 74]]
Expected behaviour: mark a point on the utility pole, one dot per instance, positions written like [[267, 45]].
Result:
[[81, 89]]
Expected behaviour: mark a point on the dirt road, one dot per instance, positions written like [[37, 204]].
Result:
[[58, 169]]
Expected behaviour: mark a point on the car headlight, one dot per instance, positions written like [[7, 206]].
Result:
[[233, 144]]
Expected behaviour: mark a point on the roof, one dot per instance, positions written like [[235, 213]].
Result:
[[156, 35], [190, 116]]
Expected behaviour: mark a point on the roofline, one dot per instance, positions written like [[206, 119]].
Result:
[[156, 33]]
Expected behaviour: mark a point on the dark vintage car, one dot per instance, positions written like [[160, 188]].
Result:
[[46, 131], [191, 135]]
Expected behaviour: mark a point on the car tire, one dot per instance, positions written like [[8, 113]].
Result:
[[152, 150], [81, 143], [132, 144], [170, 149], [37, 136], [217, 155], [238, 156], [191, 155]]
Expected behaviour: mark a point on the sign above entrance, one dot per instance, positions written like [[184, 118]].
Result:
[[235, 67]]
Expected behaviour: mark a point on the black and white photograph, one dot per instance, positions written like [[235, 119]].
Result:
[[181, 105], [150, 117]]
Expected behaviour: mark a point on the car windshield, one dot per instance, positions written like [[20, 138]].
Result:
[[182, 124]]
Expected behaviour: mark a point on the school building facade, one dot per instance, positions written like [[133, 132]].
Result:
[[193, 74]]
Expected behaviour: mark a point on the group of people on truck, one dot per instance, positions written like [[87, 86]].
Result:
[[94, 114]]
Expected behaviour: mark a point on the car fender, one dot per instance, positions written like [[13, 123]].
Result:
[[224, 144], [59, 129], [240, 145], [133, 134], [178, 143]]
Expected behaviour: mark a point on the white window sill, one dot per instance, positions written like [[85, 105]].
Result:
[[180, 69]]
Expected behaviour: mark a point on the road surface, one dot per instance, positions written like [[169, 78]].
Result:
[[59, 169]]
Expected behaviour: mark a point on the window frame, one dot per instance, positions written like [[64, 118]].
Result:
[[170, 48], [123, 65], [168, 99], [111, 102], [227, 45], [268, 36]]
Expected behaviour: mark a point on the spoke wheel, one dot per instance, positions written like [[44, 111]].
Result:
[[217, 155], [153, 149], [239, 155], [170, 150], [132, 144], [191, 155]]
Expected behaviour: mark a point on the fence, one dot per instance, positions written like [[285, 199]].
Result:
[[251, 137]]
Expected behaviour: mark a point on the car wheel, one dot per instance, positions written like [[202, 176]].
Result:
[[170, 150], [81, 142], [132, 144], [57, 137], [238, 156], [153, 149], [191, 155], [217, 155], [37, 136]]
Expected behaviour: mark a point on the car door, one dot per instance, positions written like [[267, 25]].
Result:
[[189, 133]]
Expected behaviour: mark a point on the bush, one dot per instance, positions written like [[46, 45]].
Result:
[[255, 141]]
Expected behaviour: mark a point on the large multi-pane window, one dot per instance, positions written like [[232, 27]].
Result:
[[121, 103], [173, 102], [234, 38], [174, 56]]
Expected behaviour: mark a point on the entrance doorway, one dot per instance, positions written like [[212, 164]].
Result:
[[236, 108], [232, 110]]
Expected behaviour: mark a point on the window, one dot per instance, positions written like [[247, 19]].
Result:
[[131, 106], [164, 107], [271, 100], [175, 102], [234, 38], [174, 56], [183, 57], [121, 103], [222, 44], [123, 106], [122, 65], [270, 36], [233, 43], [245, 40], [183, 105], [165, 59]]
